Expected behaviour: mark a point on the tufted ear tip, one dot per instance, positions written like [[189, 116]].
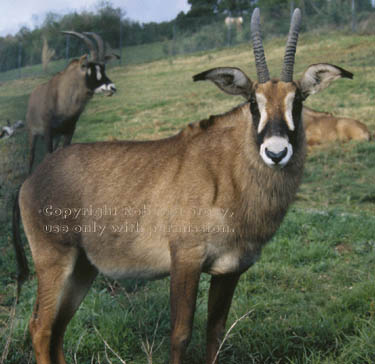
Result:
[[319, 76], [200, 76], [209, 75], [345, 73], [231, 80]]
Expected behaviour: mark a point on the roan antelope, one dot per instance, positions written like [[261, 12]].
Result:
[[204, 200], [322, 127], [237, 21], [55, 106]]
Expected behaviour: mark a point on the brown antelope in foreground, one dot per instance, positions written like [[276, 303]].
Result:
[[204, 200], [55, 106], [321, 127]]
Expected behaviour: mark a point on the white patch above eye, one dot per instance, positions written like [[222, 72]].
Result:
[[89, 71], [262, 101], [289, 110], [98, 73]]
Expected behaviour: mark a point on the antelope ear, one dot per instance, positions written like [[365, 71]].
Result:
[[229, 79], [317, 77], [110, 57], [83, 61]]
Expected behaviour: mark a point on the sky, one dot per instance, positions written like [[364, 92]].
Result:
[[17, 13]]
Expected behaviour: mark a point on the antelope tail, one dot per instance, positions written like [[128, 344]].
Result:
[[23, 269]]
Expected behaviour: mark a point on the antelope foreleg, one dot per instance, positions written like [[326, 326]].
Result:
[[48, 140], [185, 273], [68, 137], [219, 301], [32, 144], [56, 141]]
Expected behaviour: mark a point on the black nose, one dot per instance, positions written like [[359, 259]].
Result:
[[276, 157]]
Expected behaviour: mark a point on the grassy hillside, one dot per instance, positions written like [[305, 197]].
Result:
[[310, 298]]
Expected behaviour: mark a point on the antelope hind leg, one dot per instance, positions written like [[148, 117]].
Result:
[[74, 292], [62, 284]]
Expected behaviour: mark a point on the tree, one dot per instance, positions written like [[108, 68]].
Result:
[[235, 7], [47, 54], [203, 8]]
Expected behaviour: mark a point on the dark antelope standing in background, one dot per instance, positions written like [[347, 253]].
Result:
[[55, 106], [204, 200]]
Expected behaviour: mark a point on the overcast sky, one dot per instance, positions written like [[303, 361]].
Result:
[[17, 13]]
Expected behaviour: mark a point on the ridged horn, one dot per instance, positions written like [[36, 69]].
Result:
[[260, 59], [90, 44], [291, 47], [100, 42]]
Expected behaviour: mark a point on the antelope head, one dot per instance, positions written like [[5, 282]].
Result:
[[275, 104], [94, 68]]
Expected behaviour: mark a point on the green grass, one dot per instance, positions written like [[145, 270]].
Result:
[[311, 296]]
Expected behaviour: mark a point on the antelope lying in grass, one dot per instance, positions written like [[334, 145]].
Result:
[[55, 106], [8, 130], [321, 127], [204, 200]]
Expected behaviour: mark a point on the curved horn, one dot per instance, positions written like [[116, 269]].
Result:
[[89, 43], [291, 46], [260, 59], [99, 41]]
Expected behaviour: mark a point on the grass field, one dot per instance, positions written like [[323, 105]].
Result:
[[311, 296]]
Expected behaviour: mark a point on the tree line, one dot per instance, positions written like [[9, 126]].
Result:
[[24, 48]]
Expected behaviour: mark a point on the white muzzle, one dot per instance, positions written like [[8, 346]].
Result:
[[276, 151], [109, 88]]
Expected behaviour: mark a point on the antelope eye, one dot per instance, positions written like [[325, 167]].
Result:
[[299, 97], [254, 105]]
